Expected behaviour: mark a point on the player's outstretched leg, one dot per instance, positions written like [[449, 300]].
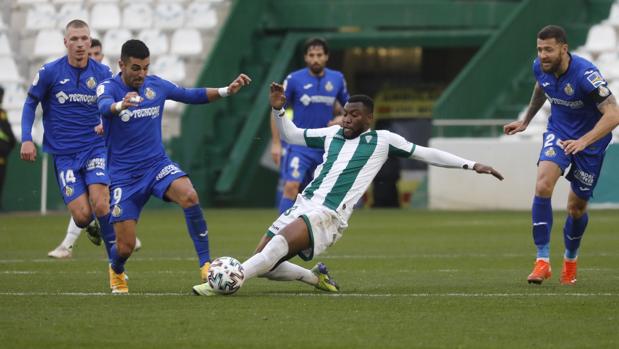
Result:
[[318, 276]]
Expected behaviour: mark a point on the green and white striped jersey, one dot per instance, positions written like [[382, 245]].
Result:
[[349, 165]]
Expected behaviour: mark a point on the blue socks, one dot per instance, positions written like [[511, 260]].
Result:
[[285, 204], [198, 231], [572, 234], [107, 234], [542, 225]]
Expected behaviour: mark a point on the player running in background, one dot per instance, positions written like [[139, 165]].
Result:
[[354, 155], [579, 99], [132, 108], [65, 249], [66, 90], [312, 92]]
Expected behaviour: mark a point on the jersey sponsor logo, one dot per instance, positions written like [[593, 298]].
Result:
[[544, 84], [329, 86], [166, 171], [595, 79], [64, 81], [151, 112], [570, 104], [307, 86], [305, 99], [76, 98], [149, 93], [584, 177], [95, 163], [568, 89], [91, 82], [62, 97]]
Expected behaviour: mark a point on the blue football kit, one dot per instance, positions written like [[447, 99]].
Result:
[[138, 164], [574, 97], [70, 114], [312, 99]]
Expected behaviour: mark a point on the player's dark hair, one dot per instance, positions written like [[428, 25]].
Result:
[[95, 43], [553, 32], [311, 42], [76, 23], [134, 48], [367, 102], [1, 94]]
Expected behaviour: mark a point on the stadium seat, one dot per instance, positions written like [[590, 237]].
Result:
[[105, 16], [601, 38], [69, 12], [138, 16], [14, 95], [186, 42], [156, 41], [169, 67], [113, 41], [200, 15], [169, 16], [67, 1], [31, 2], [49, 43], [5, 46], [42, 16], [8, 71]]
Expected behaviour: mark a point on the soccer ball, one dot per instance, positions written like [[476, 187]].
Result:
[[225, 275]]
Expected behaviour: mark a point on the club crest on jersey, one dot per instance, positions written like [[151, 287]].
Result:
[[149, 93], [117, 211], [550, 152], [68, 191], [329, 86], [91, 83], [568, 89]]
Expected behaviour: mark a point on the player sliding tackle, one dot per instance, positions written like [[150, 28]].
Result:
[[354, 154]]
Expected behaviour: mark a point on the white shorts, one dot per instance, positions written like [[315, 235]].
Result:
[[323, 225]]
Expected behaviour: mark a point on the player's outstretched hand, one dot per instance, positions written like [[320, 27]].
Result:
[[514, 127], [572, 146], [28, 151], [239, 82], [481, 168], [277, 97]]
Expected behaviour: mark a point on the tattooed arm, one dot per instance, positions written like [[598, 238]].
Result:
[[609, 120], [537, 101]]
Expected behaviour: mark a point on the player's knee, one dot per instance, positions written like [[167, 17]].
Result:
[[101, 208], [543, 188], [291, 189], [189, 198], [81, 219], [576, 210]]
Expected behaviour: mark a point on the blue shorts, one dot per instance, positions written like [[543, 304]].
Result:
[[75, 172], [129, 194], [299, 164], [584, 167]]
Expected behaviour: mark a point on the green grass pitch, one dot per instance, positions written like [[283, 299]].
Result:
[[409, 279]]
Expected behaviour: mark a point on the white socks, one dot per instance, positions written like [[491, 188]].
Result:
[[73, 232], [263, 261], [287, 271]]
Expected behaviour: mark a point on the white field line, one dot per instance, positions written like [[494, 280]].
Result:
[[342, 295]]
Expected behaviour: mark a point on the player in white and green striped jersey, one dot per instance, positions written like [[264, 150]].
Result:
[[354, 154]]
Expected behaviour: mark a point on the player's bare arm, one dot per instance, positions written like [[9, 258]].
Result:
[[234, 87], [537, 101], [276, 144], [608, 121]]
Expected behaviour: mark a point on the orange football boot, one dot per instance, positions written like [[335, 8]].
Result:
[[568, 274], [541, 272]]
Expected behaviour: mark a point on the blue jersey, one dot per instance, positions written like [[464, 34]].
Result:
[[70, 113], [133, 137], [312, 97], [574, 97]]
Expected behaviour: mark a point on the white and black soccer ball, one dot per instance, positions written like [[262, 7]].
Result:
[[225, 275]]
